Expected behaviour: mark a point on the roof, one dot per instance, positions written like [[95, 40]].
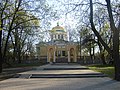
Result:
[[57, 29]]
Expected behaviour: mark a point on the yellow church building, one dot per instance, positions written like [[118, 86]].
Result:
[[58, 49]]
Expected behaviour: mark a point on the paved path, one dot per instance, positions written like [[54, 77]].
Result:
[[10, 72], [35, 82]]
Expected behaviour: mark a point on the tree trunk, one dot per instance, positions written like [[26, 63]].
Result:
[[116, 54], [80, 48], [93, 54], [1, 59], [0, 67], [10, 28], [1, 26], [19, 53], [19, 58], [103, 58], [95, 31], [115, 42]]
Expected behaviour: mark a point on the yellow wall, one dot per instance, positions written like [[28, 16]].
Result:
[[43, 51]]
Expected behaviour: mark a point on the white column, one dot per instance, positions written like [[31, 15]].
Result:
[[56, 36], [61, 53], [53, 37], [54, 57], [64, 37], [75, 56], [68, 56]]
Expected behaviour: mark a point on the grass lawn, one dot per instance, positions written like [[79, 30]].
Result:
[[106, 69]]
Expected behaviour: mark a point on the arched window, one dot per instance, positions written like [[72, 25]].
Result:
[[55, 36], [63, 53], [58, 36], [62, 37], [71, 51]]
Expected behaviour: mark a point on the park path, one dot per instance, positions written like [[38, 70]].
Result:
[[61, 77]]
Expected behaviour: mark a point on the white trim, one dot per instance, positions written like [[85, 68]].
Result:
[[68, 56]]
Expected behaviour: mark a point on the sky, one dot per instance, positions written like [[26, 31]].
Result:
[[69, 19], [61, 7], [63, 20]]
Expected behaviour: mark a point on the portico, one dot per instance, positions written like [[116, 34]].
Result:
[[55, 52]]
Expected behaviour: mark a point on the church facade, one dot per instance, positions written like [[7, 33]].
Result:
[[59, 49]]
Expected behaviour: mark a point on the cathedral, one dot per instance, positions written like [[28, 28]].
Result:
[[58, 49]]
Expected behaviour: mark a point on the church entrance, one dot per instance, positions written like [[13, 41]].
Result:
[[61, 57]]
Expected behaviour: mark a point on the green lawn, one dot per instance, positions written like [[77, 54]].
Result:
[[106, 69]]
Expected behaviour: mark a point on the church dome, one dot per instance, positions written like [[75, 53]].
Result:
[[58, 28]]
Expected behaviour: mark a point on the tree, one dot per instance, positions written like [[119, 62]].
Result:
[[14, 14], [2, 9], [115, 50], [115, 31]]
